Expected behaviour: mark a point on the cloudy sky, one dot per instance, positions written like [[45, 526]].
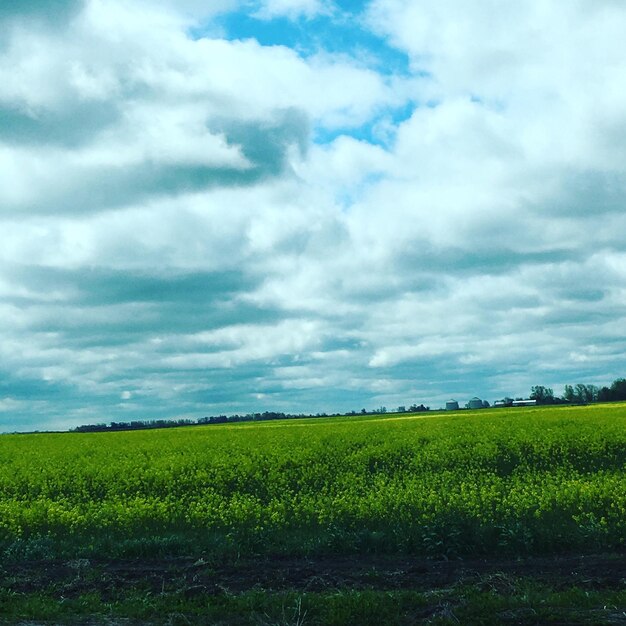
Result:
[[214, 206]]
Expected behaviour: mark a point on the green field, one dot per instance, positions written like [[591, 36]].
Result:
[[503, 483]]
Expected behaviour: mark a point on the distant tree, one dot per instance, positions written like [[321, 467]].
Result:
[[614, 393], [618, 389], [586, 393], [543, 395], [581, 393]]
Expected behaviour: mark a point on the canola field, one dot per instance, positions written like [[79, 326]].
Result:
[[505, 481]]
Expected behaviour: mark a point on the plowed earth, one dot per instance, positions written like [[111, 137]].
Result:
[[195, 576]]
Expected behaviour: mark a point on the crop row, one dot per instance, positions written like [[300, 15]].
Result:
[[542, 479]]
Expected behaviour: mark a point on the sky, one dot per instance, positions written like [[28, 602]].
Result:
[[232, 206]]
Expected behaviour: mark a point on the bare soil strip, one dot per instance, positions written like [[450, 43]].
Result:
[[195, 576]]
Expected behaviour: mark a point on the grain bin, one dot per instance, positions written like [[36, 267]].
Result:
[[475, 403]]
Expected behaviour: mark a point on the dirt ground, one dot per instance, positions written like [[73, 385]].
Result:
[[310, 574]]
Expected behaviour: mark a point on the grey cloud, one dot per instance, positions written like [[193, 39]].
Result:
[[102, 307], [25, 388], [136, 324], [74, 126], [53, 10], [253, 388], [265, 143], [580, 317], [586, 194], [110, 188], [92, 189], [387, 289], [481, 258], [105, 286], [581, 294]]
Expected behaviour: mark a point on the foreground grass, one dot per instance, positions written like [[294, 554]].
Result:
[[494, 600]]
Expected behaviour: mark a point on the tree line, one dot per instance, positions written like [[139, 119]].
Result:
[[581, 393], [229, 419], [213, 419]]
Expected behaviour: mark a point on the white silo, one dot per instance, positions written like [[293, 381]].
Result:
[[475, 403]]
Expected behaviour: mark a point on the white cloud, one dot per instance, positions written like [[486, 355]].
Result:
[[294, 9], [554, 71], [135, 90], [236, 345], [170, 234]]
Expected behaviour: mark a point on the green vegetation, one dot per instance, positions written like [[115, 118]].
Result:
[[504, 483], [492, 601], [508, 481]]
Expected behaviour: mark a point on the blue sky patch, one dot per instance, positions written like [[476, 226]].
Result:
[[336, 34], [380, 130]]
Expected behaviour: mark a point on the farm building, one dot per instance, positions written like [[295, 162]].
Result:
[[475, 403], [452, 405], [509, 402]]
